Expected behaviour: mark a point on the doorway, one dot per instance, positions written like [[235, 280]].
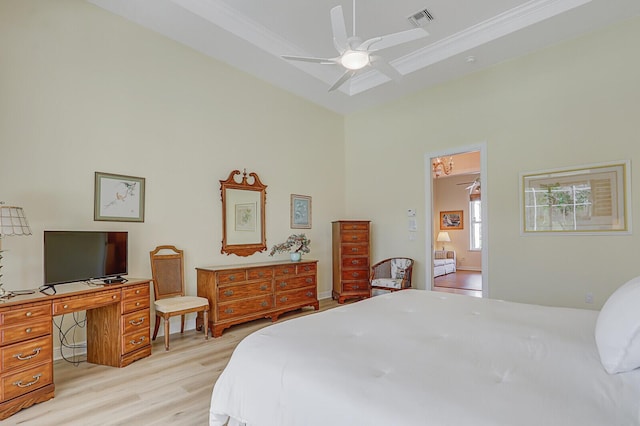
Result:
[[456, 220]]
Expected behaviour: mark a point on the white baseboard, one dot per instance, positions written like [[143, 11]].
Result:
[[469, 268]]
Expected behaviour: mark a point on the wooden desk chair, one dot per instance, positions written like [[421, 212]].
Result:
[[167, 272]]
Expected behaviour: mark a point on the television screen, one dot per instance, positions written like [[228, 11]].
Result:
[[82, 255]]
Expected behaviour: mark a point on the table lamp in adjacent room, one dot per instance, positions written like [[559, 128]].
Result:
[[443, 237], [12, 222]]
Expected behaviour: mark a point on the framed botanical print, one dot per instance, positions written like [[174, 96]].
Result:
[[452, 219], [118, 198], [300, 211]]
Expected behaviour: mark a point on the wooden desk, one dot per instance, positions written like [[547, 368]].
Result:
[[117, 335]]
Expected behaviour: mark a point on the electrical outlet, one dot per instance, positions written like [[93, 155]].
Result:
[[588, 298]]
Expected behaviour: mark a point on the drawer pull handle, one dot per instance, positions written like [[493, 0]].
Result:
[[286, 271], [355, 275], [228, 293], [355, 262], [27, 330], [139, 342], [35, 353], [137, 303], [232, 277], [284, 299], [309, 294], [354, 249], [355, 237], [228, 311], [261, 274], [263, 287], [307, 268], [309, 280], [134, 322], [264, 304], [26, 385], [28, 314], [114, 297], [137, 291], [65, 306], [283, 284], [356, 286]]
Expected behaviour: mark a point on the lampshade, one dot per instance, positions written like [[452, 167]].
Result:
[[13, 221], [443, 237]]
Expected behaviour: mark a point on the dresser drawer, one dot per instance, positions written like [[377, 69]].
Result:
[[13, 317], [132, 305], [234, 292], [296, 297], [229, 277], [244, 307], [355, 249], [355, 263], [293, 283], [355, 274], [285, 270], [306, 268], [25, 354], [74, 304], [25, 381], [355, 237], [134, 341], [354, 226], [355, 286], [135, 321], [24, 331], [260, 273], [139, 292]]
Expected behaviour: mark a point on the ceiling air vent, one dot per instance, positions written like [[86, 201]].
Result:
[[420, 19]]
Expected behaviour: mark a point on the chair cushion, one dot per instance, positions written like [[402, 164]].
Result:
[[398, 267], [180, 303], [387, 282]]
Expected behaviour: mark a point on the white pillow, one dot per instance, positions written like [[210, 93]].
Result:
[[618, 329]]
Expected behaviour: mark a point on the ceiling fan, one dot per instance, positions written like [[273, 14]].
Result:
[[355, 54]]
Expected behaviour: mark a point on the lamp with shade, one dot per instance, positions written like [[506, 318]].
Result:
[[443, 237], [12, 222]]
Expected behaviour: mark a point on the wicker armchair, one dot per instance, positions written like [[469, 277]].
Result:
[[391, 274]]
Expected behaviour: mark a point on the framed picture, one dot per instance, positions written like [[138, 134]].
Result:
[[118, 198], [300, 211], [453, 219], [590, 199], [246, 217]]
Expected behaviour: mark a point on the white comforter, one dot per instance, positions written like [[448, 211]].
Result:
[[423, 358]]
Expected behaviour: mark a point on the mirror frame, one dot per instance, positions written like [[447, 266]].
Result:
[[244, 185]]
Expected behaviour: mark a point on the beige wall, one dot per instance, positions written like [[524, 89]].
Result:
[[575, 103], [83, 90]]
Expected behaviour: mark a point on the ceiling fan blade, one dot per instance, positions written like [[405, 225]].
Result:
[[346, 76], [339, 29], [325, 61], [390, 40], [385, 68]]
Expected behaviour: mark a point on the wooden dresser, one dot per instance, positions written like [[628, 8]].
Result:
[[241, 293], [117, 335], [350, 259]]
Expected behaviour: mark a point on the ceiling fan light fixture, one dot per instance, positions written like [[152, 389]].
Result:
[[354, 60]]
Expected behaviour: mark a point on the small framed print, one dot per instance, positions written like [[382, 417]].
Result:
[[453, 219], [300, 211], [118, 198]]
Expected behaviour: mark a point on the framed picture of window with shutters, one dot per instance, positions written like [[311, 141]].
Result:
[[591, 199]]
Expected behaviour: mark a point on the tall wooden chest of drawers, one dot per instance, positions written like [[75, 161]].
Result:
[[350, 259], [241, 293]]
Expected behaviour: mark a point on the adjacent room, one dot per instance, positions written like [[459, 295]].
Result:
[[274, 153]]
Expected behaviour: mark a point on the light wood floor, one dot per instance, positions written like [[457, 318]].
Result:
[[460, 282], [166, 388]]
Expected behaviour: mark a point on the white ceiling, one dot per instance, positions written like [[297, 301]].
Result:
[[252, 35]]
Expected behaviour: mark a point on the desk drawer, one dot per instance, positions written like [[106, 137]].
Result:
[[84, 303], [355, 274], [25, 314], [284, 270], [135, 321], [230, 277], [25, 354], [355, 263], [132, 305], [133, 341], [260, 273], [25, 331], [244, 307], [355, 237], [20, 383], [359, 286], [306, 268], [296, 297], [138, 292]]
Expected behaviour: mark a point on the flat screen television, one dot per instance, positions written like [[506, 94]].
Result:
[[71, 256]]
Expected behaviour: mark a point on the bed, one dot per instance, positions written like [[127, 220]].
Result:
[[418, 357]]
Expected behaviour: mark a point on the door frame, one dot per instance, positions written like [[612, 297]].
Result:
[[429, 215]]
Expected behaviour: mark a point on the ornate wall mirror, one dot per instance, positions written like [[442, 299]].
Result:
[[243, 222]]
